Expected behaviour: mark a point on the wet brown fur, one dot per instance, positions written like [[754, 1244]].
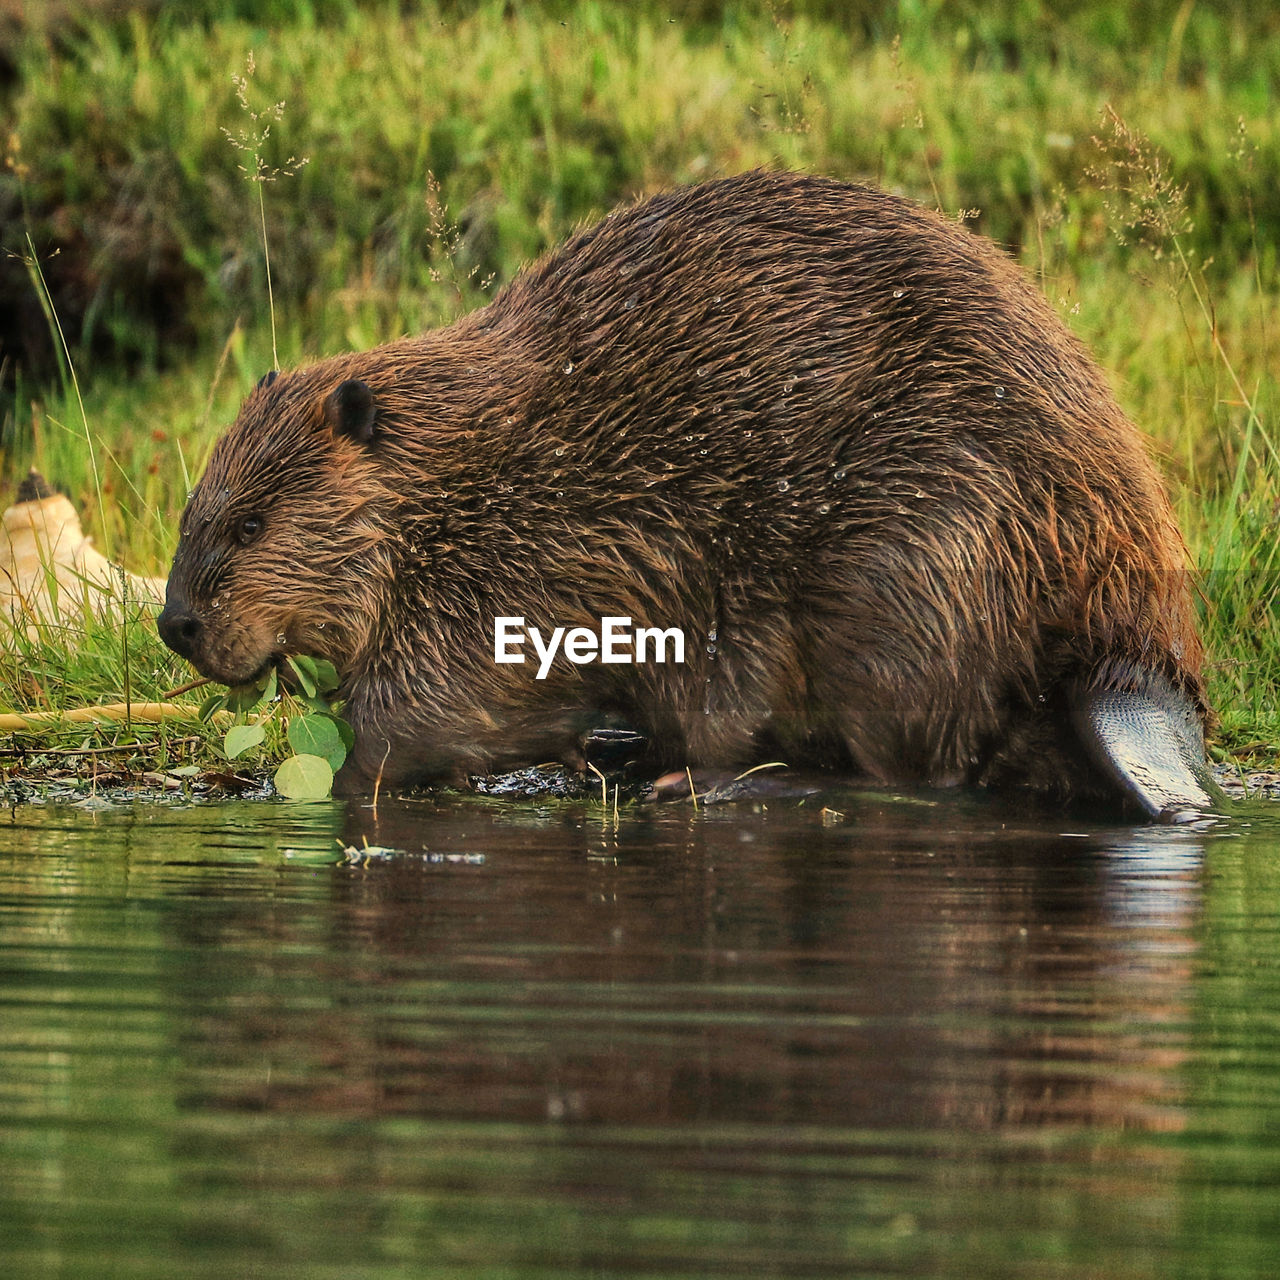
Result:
[[835, 438]]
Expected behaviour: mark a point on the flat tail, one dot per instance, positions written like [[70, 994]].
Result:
[[1146, 736]]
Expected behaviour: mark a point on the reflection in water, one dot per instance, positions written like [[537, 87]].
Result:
[[917, 1038]]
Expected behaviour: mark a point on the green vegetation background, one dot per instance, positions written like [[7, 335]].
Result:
[[1129, 156]]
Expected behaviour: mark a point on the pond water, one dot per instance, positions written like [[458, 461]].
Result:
[[914, 1038]]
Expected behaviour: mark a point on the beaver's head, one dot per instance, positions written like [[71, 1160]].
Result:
[[281, 542]]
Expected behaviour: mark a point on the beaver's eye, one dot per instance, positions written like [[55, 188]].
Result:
[[248, 529]]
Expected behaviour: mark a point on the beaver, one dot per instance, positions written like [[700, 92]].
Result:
[[833, 438]]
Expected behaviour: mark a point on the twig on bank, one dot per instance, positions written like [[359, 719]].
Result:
[[187, 688]]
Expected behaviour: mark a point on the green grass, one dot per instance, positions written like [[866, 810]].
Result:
[[1154, 229]]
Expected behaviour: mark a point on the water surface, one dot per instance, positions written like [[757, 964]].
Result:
[[914, 1038]]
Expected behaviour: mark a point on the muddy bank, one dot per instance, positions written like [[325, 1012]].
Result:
[[190, 784]]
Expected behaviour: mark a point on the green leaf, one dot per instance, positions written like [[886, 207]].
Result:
[[326, 675], [304, 777], [321, 711], [317, 735], [244, 697], [273, 683], [241, 738], [345, 731], [305, 669], [214, 703]]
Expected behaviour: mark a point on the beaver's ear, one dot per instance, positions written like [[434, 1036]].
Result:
[[349, 410], [267, 379]]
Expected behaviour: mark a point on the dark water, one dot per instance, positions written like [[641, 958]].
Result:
[[918, 1040]]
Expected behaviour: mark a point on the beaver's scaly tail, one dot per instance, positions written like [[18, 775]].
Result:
[[1146, 736]]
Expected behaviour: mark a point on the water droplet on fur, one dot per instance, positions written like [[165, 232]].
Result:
[[701, 371], [689, 439], [569, 367], [559, 493], [841, 473], [825, 509], [747, 433], [559, 453], [717, 300], [629, 305], [999, 393], [711, 650], [897, 293], [281, 639], [784, 485], [702, 453], [790, 384]]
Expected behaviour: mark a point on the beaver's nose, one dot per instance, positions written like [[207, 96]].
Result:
[[179, 628]]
